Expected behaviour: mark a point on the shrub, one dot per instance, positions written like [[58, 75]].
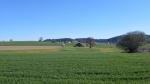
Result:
[[131, 41]]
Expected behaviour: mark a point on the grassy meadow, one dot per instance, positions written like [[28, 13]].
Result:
[[101, 65], [28, 43]]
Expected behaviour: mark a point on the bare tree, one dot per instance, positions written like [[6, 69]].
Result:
[[10, 40], [90, 42], [40, 39]]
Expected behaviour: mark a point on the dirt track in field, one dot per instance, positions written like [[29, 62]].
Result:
[[28, 47]]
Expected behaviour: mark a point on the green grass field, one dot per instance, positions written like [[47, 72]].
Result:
[[106, 65], [28, 43]]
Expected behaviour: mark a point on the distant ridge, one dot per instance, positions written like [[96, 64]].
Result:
[[83, 40], [114, 39]]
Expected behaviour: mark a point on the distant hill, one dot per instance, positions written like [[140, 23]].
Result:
[[148, 36], [114, 39], [83, 40], [110, 40]]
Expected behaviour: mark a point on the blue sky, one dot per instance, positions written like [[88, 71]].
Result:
[[31, 19]]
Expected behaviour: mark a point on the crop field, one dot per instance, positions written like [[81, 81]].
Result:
[[100, 65]]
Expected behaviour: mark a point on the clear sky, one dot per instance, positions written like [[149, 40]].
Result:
[[31, 19]]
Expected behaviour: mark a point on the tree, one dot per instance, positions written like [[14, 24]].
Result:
[[79, 45], [90, 42], [131, 41], [40, 39], [10, 40]]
